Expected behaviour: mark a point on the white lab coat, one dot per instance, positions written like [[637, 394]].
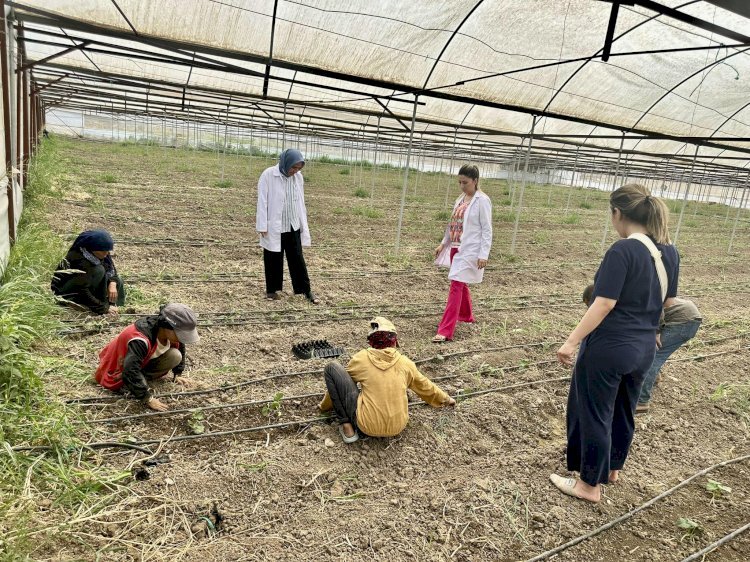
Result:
[[271, 198], [476, 241]]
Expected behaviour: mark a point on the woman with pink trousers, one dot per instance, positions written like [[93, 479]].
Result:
[[465, 249]]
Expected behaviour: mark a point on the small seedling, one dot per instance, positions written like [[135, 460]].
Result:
[[721, 392], [361, 193], [692, 529], [717, 490], [195, 423], [223, 184], [273, 408], [585, 205]]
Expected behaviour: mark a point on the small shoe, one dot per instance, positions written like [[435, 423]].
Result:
[[439, 338], [642, 408], [312, 298], [567, 487], [273, 296], [346, 439]]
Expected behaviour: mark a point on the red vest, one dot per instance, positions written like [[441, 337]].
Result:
[[112, 357]]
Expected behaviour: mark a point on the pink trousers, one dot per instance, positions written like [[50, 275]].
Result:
[[458, 307]]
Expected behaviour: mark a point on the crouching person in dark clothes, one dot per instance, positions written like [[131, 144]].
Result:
[[88, 277], [148, 350], [380, 408]]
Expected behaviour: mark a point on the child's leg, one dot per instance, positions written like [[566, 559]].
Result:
[[157, 368]]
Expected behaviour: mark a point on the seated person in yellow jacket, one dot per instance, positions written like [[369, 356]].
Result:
[[380, 408]]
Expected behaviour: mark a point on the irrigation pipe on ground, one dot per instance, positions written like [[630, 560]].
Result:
[[630, 514], [142, 444], [95, 399], [717, 544]]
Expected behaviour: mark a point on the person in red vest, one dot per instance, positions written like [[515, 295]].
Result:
[[147, 350]]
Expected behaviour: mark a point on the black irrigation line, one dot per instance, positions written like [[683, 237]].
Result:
[[458, 396], [296, 397], [501, 370], [141, 445], [111, 398], [630, 514], [320, 318], [344, 312], [94, 400], [714, 545]]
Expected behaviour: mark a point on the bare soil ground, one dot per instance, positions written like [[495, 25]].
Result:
[[470, 483]]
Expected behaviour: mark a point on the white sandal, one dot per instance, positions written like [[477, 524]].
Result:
[[567, 487], [348, 440]]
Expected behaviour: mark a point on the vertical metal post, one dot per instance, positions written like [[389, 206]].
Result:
[[406, 176], [375, 162], [523, 186], [739, 210], [572, 181], [450, 168], [7, 125], [614, 183], [687, 192]]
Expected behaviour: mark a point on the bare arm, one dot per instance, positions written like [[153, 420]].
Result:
[[594, 315]]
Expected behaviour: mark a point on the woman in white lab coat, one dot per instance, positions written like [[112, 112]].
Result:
[[281, 221], [465, 249]]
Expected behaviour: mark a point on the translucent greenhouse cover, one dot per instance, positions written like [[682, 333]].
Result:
[[493, 63]]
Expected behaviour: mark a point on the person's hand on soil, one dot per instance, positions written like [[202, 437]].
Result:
[[188, 383], [481, 264], [438, 250], [112, 291], [157, 405], [658, 340], [566, 353], [113, 311], [449, 402]]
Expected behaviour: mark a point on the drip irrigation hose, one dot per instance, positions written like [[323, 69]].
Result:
[[629, 514], [457, 396], [95, 399], [98, 445], [714, 545], [312, 319], [286, 398]]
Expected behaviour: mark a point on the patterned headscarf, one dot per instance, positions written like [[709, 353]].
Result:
[[382, 340], [289, 158]]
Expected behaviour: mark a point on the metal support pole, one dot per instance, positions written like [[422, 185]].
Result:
[[572, 181], [523, 186], [450, 169], [7, 125], [614, 182], [406, 176], [375, 162], [739, 211], [687, 191]]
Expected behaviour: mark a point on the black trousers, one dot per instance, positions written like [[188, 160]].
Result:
[[273, 263], [97, 284], [343, 392], [603, 396]]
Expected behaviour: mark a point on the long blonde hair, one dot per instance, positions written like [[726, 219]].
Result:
[[638, 205]]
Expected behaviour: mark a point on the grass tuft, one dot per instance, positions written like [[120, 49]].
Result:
[[223, 184], [361, 192]]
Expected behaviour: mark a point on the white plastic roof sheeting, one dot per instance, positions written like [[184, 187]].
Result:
[[453, 48]]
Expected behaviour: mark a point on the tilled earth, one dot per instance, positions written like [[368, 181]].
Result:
[[469, 483]]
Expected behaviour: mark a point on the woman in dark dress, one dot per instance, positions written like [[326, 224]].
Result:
[[618, 340], [88, 277]]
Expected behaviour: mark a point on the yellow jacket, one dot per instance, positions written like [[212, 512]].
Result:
[[382, 405]]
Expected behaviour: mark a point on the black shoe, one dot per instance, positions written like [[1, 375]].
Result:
[[312, 298], [273, 296]]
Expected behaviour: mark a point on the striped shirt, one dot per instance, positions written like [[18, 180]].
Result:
[[289, 216]]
